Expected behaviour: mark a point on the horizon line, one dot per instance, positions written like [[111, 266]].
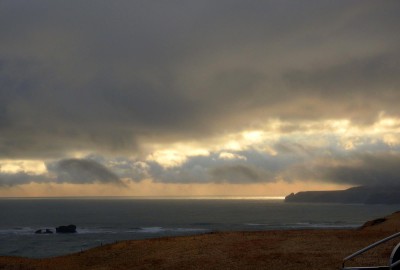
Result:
[[202, 197]]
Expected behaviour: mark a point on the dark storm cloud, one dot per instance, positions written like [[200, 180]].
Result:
[[370, 163], [366, 85], [73, 171], [103, 76], [238, 174], [83, 171], [16, 179], [365, 169], [291, 162], [252, 167], [124, 167]]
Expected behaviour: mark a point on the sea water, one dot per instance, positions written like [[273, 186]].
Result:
[[100, 221]]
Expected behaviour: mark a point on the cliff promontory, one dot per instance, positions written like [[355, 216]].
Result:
[[363, 194]]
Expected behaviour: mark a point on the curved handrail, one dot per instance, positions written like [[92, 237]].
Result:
[[395, 264], [372, 246]]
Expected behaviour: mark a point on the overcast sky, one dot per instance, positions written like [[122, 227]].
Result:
[[226, 97]]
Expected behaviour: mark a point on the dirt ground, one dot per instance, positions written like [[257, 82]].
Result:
[[290, 250]]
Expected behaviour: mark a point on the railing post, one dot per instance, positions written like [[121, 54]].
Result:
[[361, 251]]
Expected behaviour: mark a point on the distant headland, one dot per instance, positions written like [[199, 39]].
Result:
[[362, 194]]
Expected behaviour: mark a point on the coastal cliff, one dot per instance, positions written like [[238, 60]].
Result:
[[363, 194]]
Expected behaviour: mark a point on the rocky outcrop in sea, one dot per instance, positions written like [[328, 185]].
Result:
[[66, 229]]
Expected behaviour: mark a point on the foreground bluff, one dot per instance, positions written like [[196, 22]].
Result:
[[363, 194]]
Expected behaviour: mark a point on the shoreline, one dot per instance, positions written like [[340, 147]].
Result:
[[273, 249]]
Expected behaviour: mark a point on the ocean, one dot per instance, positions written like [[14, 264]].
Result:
[[107, 220]]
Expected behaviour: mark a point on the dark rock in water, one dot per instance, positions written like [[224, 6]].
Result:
[[48, 231], [66, 229], [38, 231]]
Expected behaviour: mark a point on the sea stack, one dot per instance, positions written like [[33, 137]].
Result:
[[66, 229]]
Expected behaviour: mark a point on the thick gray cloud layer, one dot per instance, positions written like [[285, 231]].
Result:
[[291, 162], [73, 171], [349, 168], [16, 179], [83, 171], [365, 169], [108, 77], [102, 75]]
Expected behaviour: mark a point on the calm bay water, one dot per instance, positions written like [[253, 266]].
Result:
[[101, 221]]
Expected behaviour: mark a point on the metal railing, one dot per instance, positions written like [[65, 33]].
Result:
[[361, 251]]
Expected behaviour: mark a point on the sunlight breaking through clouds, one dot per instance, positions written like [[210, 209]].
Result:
[[26, 166], [213, 92], [257, 155], [269, 155]]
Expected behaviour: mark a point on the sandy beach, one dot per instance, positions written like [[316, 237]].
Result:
[[289, 249]]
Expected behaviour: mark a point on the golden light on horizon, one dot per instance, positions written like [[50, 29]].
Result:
[[314, 136], [149, 188]]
